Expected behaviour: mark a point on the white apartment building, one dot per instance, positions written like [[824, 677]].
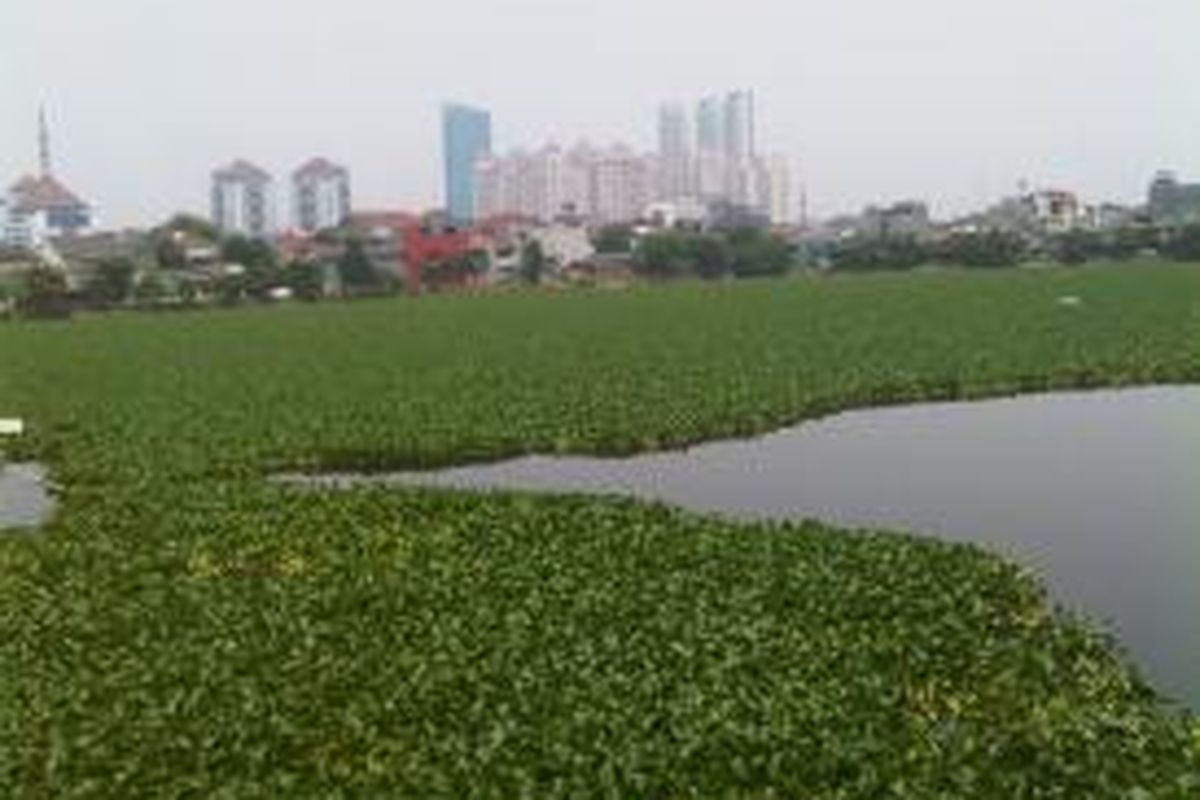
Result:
[[740, 126], [320, 195], [676, 174], [621, 186], [242, 200], [600, 185]]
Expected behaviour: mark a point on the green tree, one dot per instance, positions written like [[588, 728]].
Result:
[[112, 282], [44, 294], [189, 293], [260, 262], [231, 288], [193, 226], [985, 249], [757, 253], [891, 252], [533, 262], [170, 239], [168, 253], [474, 263], [613, 239], [1076, 247], [253, 254], [7, 299], [1129, 241], [456, 271], [149, 289], [710, 256], [305, 278], [355, 269], [663, 255], [1183, 244]]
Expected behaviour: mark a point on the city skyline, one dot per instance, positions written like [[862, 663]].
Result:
[[714, 161], [870, 103]]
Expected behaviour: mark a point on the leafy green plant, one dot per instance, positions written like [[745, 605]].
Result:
[[186, 628]]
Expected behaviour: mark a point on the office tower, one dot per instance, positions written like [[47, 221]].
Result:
[[620, 185], [466, 138]]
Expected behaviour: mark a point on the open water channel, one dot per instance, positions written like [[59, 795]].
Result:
[[1097, 492]]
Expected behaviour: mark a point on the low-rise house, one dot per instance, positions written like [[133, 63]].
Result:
[[564, 245], [906, 218]]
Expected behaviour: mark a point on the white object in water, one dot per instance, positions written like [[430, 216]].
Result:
[[12, 427]]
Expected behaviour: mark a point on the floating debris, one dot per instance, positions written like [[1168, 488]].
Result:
[[25, 498]]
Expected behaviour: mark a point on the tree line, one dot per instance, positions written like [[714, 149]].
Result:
[[740, 253], [997, 248]]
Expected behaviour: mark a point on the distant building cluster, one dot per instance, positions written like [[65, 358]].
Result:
[[721, 162], [575, 212], [1034, 214], [714, 162], [1172, 203], [600, 185], [243, 199]]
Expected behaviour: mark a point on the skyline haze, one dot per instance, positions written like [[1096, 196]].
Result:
[[871, 101]]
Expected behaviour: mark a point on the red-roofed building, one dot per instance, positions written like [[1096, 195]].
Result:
[[407, 243], [38, 207]]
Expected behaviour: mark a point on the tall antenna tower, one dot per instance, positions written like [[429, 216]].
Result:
[[43, 142]]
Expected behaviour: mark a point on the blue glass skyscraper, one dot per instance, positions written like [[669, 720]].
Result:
[[466, 137]]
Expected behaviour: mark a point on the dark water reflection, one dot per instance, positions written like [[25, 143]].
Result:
[[25, 501], [1098, 492]]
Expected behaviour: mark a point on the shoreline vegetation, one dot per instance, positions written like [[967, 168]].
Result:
[[188, 627]]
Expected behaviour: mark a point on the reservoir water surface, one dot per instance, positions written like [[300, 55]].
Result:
[[1097, 492]]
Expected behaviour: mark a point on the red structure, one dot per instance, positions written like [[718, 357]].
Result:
[[424, 245], [295, 245], [414, 242]]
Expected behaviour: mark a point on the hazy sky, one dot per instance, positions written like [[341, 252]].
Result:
[[953, 101]]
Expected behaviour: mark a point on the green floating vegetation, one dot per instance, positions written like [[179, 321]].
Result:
[[187, 629], [265, 642]]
